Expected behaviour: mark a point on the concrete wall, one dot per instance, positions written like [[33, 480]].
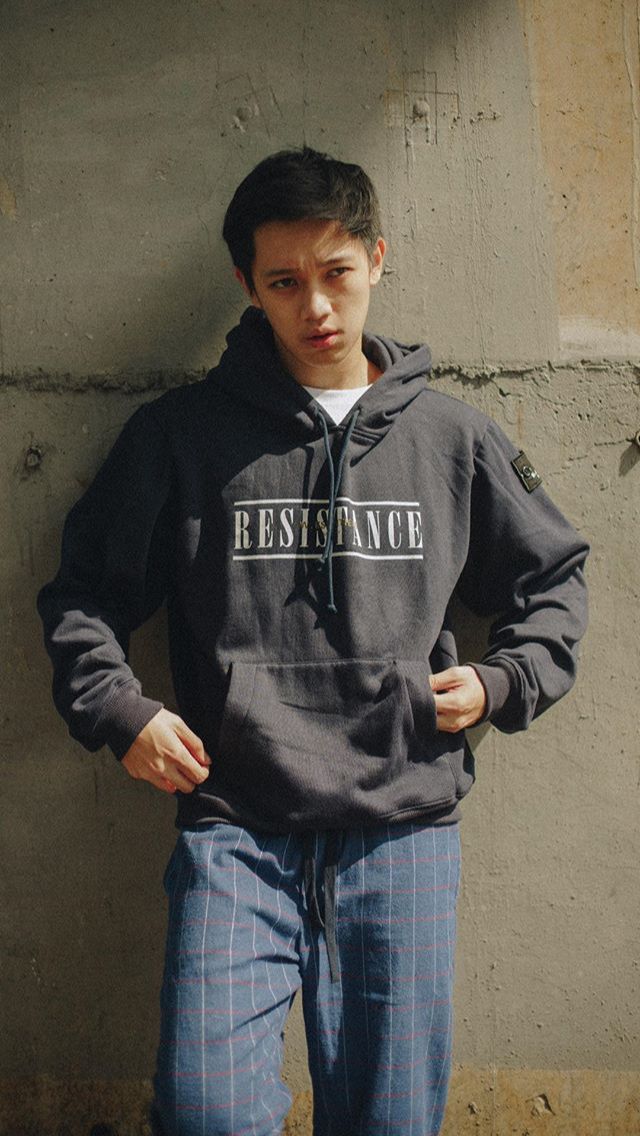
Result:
[[505, 141]]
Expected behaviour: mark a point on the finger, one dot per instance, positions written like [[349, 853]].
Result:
[[451, 702], [453, 710], [192, 742], [177, 780], [186, 765], [442, 680], [173, 763]]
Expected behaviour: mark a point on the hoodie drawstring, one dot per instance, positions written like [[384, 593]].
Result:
[[335, 479], [324, 921]]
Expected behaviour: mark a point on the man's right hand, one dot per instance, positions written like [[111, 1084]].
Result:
[[168, 754]]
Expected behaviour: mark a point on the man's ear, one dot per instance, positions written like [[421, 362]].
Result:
[[377, 260], [247, 288]]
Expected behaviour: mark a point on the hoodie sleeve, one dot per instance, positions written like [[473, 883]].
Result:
[[112, 577], [525, 566]]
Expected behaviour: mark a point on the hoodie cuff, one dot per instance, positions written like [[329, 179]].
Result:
[[125, 715], [499, 681]]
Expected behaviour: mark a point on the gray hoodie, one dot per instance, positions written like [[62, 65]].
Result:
[[308, 569]]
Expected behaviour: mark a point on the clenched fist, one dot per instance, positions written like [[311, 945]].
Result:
[[459, 696], [168, 754]]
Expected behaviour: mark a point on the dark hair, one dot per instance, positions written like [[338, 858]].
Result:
[[296, 185]]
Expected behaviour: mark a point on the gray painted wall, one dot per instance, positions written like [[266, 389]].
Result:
[[131, 126], [126, 127]]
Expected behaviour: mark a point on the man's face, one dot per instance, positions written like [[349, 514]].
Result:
[[313, 280]]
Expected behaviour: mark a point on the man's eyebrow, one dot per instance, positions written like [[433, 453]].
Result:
[[323, 264]]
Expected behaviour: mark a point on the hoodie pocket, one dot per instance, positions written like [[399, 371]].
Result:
[[332, 743]]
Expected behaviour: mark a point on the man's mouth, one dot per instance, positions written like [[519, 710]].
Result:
[[322, 338]]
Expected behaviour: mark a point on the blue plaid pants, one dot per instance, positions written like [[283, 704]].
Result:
[[363, 923]]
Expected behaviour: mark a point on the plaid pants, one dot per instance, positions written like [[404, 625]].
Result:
[[252, 919]]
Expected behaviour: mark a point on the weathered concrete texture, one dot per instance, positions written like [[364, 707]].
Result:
[[125, 132], [505, 141], [69, 856], [551, 897], [504, 136], [585, 64], [548, 965], [505, 1102], [50, 1106], [482, 1102]]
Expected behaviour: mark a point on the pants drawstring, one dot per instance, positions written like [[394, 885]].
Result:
[[324, 920]]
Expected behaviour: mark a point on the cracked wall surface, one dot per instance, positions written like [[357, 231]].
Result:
[[504, 140]]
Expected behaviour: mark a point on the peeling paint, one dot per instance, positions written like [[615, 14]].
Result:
[[540, 1105]]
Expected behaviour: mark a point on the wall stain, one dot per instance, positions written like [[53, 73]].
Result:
[[8, 203], [631, 36], [587, 111], [485, 1101]]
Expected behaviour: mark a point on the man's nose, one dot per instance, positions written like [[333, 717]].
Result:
[[316, 304]]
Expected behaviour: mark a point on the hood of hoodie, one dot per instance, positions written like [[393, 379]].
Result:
[[250, 370]]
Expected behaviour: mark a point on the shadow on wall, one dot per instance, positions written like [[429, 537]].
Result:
[[83, 847], [630, 457], [83, 850]]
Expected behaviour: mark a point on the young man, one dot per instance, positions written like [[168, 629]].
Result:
[[307, 512]]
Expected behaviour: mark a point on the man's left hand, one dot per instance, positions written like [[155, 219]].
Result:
[[459, 696]]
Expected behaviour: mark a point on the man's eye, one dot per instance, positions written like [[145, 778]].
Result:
[[285, 282], [339, 271]]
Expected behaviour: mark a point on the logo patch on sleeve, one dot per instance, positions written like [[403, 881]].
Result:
[[527, 472]]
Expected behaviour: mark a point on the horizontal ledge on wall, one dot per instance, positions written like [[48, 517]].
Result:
[[133, 383], [122, 382], [487, 373]]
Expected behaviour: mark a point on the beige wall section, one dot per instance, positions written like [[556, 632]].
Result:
[[585, 62], [125, 127]]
